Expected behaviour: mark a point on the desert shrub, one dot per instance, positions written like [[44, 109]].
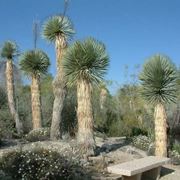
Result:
[[175, 154], [175, 134], [0, 136], [3, 98], [47, 99], [40, 164], [143, 143], [126, 128], [47, 106], [24, 107], [176, 147], [118, 128], [176, 130], [39, 134], [7, 124], [127, 113], [69, 120], [136, 131]]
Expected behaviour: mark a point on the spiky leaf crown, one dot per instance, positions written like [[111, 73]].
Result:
[[34, 62], [58, 25], [9, 50], [86, 60], [158, 80]]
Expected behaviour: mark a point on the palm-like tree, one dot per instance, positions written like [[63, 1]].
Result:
[[85, 64], [34, 63], [158, 88], [9, 51], [58, 30]]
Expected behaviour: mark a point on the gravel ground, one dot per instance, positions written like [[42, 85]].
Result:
[[111, 151]]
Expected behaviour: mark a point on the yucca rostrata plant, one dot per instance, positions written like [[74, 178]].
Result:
[[8, 52], [85, 64], [58, 30], [158, 79], [34, 63]]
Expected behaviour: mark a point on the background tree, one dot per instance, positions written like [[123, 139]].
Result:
[[47, 99], [58, 29], [103, 96], [24, 104], [9, 51], [100, 100], [85, 65], [158, 80], [34, 63], [133, 116]]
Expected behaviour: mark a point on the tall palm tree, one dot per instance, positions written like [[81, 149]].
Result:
[[85, 64], [9, 51], [58, 30], [158, 80], [34, 63]]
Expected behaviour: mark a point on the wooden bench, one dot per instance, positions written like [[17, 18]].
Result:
[[147, 168]]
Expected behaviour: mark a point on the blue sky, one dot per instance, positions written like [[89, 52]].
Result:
[[132, 30]]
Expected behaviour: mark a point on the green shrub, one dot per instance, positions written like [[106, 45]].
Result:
[[138, 131], [40, 134], [175, 154], [0, 136], [143, 143], [40, 164], [118, 128], [7, 124], [175, 131], [3, 98], [69, 120], [176, 147]]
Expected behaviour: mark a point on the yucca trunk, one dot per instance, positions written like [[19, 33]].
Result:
[[160, 131], [59, 89], [85, 135], [11, 95], [36, 102]]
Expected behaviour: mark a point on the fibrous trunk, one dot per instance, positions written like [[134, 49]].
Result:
[[11, 95], [85, 135], [59, 89], [36, 102], [160, 131]]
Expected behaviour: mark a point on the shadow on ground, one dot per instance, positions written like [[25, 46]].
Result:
[[165, 171], [111, 146]]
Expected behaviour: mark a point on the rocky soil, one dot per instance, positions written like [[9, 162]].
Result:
[[110, 151]]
